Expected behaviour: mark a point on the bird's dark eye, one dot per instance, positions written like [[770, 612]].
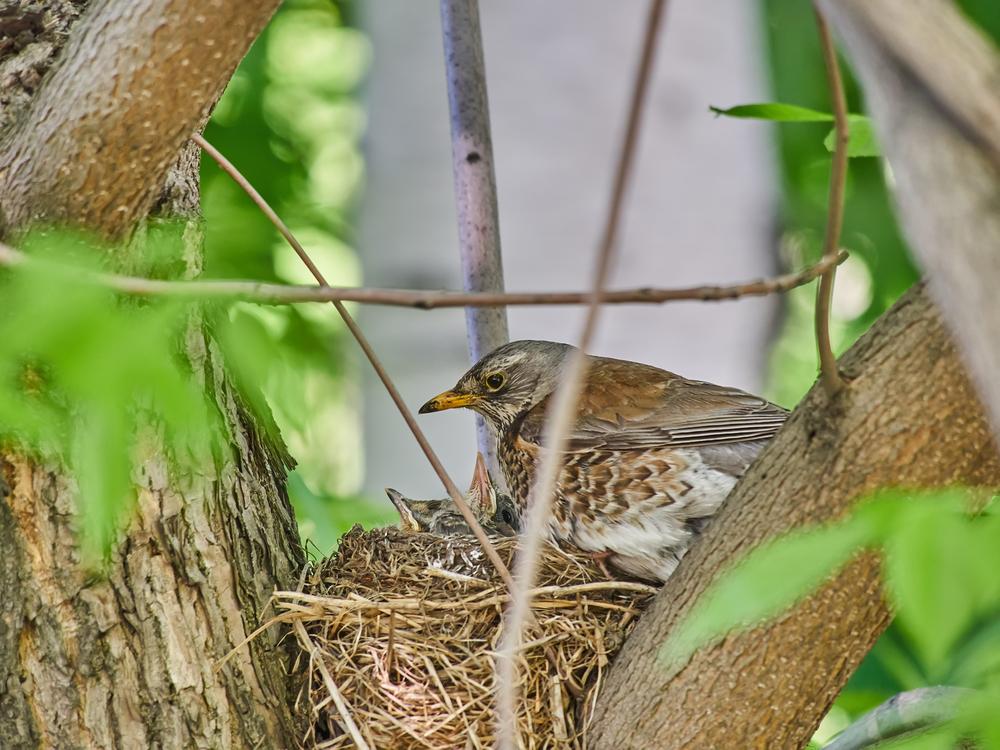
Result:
[[495, 380], [508, 517]]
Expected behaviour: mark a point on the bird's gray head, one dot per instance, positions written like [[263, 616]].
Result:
[[507, 382]]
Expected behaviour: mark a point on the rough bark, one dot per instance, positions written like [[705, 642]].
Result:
[[932, 85], [134, 81], [128, 658], [908, 418]]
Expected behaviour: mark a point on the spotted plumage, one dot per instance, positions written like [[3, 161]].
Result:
[[650, 457]]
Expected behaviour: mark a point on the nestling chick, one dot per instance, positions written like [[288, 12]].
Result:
[[494, 511]]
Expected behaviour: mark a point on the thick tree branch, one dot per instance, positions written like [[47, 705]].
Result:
[[931, 84], [134, 80], [283, 294], [910, 418]]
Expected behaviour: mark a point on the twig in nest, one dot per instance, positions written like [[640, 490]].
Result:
[[331, 686]]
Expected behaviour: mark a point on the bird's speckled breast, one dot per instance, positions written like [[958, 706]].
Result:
[[603, 486], [642, 505]]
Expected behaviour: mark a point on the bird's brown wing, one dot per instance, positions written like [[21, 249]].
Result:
[[628, 406]]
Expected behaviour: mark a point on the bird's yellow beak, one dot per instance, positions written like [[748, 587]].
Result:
[[449, 400]]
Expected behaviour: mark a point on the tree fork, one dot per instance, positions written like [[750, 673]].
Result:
[[910, 419]]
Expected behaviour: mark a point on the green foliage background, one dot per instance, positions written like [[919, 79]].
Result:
[[292, 122]]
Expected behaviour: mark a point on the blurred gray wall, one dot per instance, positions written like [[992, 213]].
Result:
[[559, 72]]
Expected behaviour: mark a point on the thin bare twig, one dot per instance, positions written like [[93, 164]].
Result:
[[832, 380], [475, 185], [284, 294], [560, 419], [390, 387], [913, 711]]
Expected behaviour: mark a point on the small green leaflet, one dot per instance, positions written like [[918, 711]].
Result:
[[861, 138], [861, 142], [774, 111]]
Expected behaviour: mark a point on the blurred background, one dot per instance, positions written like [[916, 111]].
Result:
[[339, 117]]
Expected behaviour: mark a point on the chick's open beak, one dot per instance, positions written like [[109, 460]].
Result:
[[448, 400], [480, 488]]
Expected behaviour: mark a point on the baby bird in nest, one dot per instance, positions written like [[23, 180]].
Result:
[[495, 511], [650, 457]]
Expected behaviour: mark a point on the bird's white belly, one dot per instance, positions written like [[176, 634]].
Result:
[[648, 537]]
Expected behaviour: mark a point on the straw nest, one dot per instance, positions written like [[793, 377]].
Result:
[[398, 633]]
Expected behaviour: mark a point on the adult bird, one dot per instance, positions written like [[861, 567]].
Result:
[[651, 454]]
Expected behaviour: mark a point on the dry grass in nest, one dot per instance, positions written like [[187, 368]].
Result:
[[400, 630]]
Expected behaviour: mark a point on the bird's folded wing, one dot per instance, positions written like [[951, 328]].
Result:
[[625, 406]]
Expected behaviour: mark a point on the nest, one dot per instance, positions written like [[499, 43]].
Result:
[[398, 633]]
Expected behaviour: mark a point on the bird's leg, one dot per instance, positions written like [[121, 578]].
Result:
[[601, 559]]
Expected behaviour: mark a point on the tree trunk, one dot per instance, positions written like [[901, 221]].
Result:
[[128, 660], [908, 418]]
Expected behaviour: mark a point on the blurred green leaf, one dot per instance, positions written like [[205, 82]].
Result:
[[104, 477], [933, 561], [769, 580], [77, 368], [293, 124], [323, 519], [940, 738], [978, 659], [861, 140]]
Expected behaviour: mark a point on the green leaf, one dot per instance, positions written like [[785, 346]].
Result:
[[76, 369], [769, 580], [102, 469], [930, 561], [861, 140], [775, 112]]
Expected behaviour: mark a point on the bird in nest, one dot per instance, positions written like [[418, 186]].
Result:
[[494, 510], [650, 457]]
